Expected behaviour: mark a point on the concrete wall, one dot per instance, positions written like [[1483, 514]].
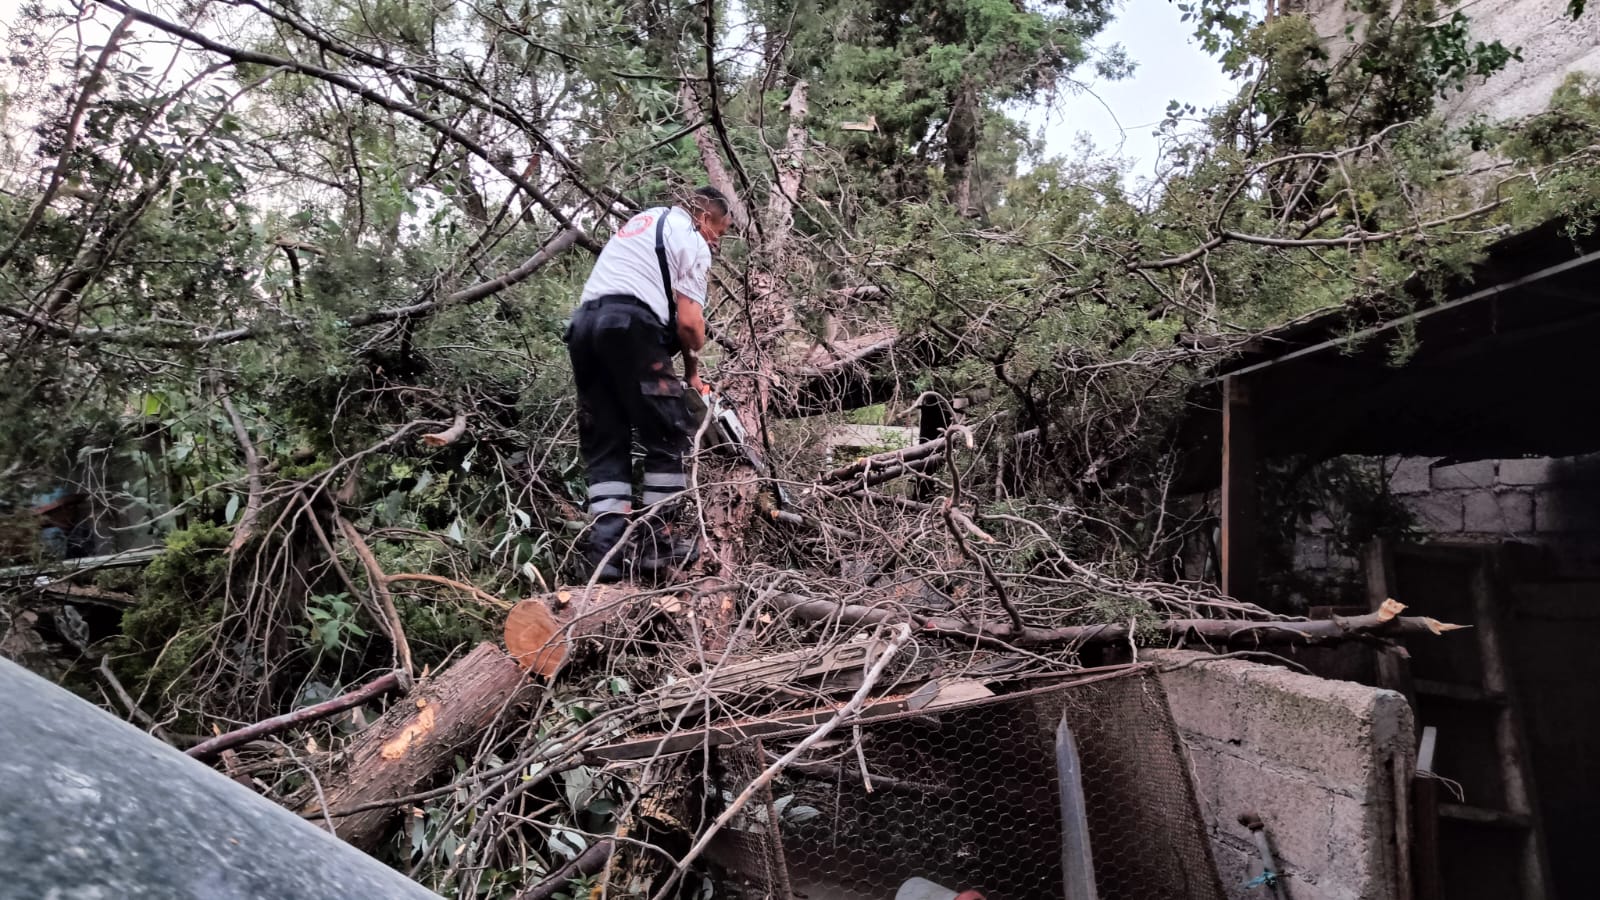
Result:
[[1317, 760], [1552, 45]]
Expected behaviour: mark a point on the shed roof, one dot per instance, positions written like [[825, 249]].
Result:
[[1507, 364]]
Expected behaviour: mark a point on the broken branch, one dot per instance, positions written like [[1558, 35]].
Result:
[[1220, 630], [587, 863], [375, 688], [479, 594], [448, 436], [380, 591], [902, 635], [1000, 594]]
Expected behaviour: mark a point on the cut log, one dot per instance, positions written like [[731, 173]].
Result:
[[545, 634], [416, 738]]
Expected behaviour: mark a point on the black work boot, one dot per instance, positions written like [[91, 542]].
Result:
[[604, 534], [665, 547]]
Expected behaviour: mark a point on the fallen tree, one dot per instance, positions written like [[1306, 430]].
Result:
[[359, 787], [383, 465]]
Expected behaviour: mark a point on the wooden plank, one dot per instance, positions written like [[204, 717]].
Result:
[[1393, 663], [137, 557], [1477, 815], [650, 746], [750, 676], [1402, 769], [1426, 880], [1487, 590], [1461, 693], [1240, 500]]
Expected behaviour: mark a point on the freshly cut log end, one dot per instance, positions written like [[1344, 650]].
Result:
[[548, 633], [535, 639], [415, 739]]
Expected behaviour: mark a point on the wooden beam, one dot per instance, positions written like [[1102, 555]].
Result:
[[64, 567], [1393, 662], [1240, 501]]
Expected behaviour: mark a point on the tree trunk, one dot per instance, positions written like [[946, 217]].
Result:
[[415, 739]]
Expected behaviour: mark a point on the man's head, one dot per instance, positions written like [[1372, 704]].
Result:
[[709, 209]]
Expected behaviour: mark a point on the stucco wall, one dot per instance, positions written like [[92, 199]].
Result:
[[1317, 760], [1552, 45]]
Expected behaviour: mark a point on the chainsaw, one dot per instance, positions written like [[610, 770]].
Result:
[[727, 431]]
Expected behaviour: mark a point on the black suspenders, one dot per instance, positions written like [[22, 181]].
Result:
[[666, 280]]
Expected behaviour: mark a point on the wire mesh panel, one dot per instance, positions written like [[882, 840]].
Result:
[[968, 798]]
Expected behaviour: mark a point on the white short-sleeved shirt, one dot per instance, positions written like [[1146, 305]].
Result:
[[627, 264]]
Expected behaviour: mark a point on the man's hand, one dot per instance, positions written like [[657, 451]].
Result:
[[696, 384]]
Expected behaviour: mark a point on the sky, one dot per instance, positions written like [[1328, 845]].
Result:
[[1119, 116]]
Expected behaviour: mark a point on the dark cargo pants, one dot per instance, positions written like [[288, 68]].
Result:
[[622, 364]]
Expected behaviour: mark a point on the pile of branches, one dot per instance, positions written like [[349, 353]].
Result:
[[601, 714]]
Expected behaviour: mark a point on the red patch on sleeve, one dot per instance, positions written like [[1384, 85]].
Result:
[[636, 226]]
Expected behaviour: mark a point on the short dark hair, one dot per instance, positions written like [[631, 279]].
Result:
[[708, 197]]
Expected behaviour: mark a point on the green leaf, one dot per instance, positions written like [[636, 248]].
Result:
[[231, 510]]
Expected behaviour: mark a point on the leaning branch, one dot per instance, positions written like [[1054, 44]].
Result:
[[472, 294], [396, 680], [587, 863], [243, 531], [69, 143], [1349, 240], [380, 592], [480, 291]]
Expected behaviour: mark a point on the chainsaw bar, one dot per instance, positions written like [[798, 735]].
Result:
[[730, 432]]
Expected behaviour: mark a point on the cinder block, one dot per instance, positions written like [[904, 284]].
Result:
[[1198, 706], [1301, 889], [1358, 845], [1509, 512], [1538, 470], [1236, 868], [1546, 470], [1437, 513], [1342, 562], [1335, 731], [1410, 474], [1479, 474], [1298, 814], [1312, 757]]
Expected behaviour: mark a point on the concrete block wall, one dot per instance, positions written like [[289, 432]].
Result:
[[1317, 760], [1553, 502]]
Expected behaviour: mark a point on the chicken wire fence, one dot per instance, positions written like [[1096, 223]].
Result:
[[968, 799]]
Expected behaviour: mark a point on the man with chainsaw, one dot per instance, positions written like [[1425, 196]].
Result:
[[643, 303]]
